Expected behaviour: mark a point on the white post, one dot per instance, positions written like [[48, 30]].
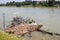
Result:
[[4, 21]]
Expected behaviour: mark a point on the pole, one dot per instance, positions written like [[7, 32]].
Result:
[[4, 21]]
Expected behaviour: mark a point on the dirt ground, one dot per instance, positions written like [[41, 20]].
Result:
[[41, 36]]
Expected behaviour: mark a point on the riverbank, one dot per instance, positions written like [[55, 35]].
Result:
[[42, 36], [31, 7]]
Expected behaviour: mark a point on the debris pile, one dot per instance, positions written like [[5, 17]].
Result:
[[20, 26], [23, 29]]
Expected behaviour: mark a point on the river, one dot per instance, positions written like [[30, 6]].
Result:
[[48, 17]]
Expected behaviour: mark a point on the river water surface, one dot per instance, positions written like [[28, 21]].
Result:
[[48, 17]]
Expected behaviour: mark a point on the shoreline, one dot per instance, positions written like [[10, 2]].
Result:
[[30, 7]]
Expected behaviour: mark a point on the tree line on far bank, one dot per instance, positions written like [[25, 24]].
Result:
[[32, 3]]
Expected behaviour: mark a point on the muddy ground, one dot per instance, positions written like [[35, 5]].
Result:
[[41, 36]]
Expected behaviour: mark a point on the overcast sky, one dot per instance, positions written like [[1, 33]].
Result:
[[4, 1]]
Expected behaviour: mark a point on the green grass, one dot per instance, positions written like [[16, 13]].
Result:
[[5, 36]]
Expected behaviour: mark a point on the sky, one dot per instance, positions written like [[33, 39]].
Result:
[[4, 1]]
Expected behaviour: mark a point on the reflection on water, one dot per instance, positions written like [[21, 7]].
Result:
[[49, 17]]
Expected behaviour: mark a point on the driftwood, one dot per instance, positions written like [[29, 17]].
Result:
[[50, 33], [45, 32], [22, 29], [57, 34]]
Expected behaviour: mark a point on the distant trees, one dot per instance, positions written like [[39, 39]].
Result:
[[2, 4], [17, 4], [44, 3], [57, 2], [27, 3], [10, 3], [51, 2], [33, 3]]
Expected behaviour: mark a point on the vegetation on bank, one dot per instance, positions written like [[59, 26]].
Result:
[[5, 36], [32, 3]]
